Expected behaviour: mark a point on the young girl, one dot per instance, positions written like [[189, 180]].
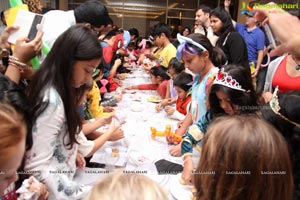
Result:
[[15, 138], [283, 112], [230, 41], [196, 51], [120, 186], [232, 93], [241, 155], [54, 95], [159, 79], [175, 67], [182, 84]]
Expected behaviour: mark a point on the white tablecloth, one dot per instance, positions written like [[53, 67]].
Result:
[[139, 115]]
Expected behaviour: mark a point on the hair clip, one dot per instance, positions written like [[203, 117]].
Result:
[[190, 83], [274, 104], [222, 78]]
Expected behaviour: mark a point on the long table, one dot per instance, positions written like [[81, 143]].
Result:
[[137, 151]]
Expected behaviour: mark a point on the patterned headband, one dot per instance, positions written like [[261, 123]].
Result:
[[222, 78]]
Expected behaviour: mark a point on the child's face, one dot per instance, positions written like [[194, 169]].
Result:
[[172, 73], [180, 92], [154, 79], [226, 104], [195, 63], [10, 165], [83, 71], [130, 47]]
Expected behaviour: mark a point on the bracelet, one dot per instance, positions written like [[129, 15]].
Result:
[[187, 159], [16, 66], [16, 61]]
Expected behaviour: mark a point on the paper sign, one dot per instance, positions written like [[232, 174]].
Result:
[[27, 21]]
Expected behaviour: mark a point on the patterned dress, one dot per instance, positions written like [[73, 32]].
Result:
[[50, 160]]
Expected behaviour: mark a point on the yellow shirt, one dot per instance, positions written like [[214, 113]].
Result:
[[164, 55], [95, 98]]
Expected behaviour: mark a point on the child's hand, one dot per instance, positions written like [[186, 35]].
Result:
[[117, 135], [159, 107], [44, 194], [104, 119], [118, 62], [171, 140], [187, 173], [118, 97], [80, 161], [169, 110], [179, 124], [175, 150], [108, 109]]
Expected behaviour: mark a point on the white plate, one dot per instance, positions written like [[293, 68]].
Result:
[[154, 99], [179, 191]]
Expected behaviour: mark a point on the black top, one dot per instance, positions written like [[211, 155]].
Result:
[[235, 49]]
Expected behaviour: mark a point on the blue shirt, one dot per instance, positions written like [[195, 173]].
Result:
[[107, 67], [255, 40]]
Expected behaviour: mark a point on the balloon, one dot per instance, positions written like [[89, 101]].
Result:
[[14, 3], [45, 48], [35, 63], [126, 37]]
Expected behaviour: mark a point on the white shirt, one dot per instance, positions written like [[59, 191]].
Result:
[[55, 23], [210, 34], [56, 162]]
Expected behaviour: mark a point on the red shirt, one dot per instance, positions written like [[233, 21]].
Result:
[[182, 104], [284, 81], [161, 88]]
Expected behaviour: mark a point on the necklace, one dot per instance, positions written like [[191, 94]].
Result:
[[297, 67]]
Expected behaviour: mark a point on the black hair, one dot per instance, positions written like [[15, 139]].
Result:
[[289, 108], [160, 71], [204, 8], [78, 43], [131, 44], [134, 31], [111, 34], [186, 27], [219, 56], [246, 101], [183, 81], [148, 43], [176, 65], [137, 41], [11, 94], [227, 25], [2, 14], [160, 28], [93, 12], [204, 41]]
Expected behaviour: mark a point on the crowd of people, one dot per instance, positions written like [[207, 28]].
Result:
[[241, 114]]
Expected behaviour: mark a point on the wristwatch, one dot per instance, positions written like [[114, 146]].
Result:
[[4, 53]]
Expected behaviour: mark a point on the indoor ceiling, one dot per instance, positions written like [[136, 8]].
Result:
[[151, 9]]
